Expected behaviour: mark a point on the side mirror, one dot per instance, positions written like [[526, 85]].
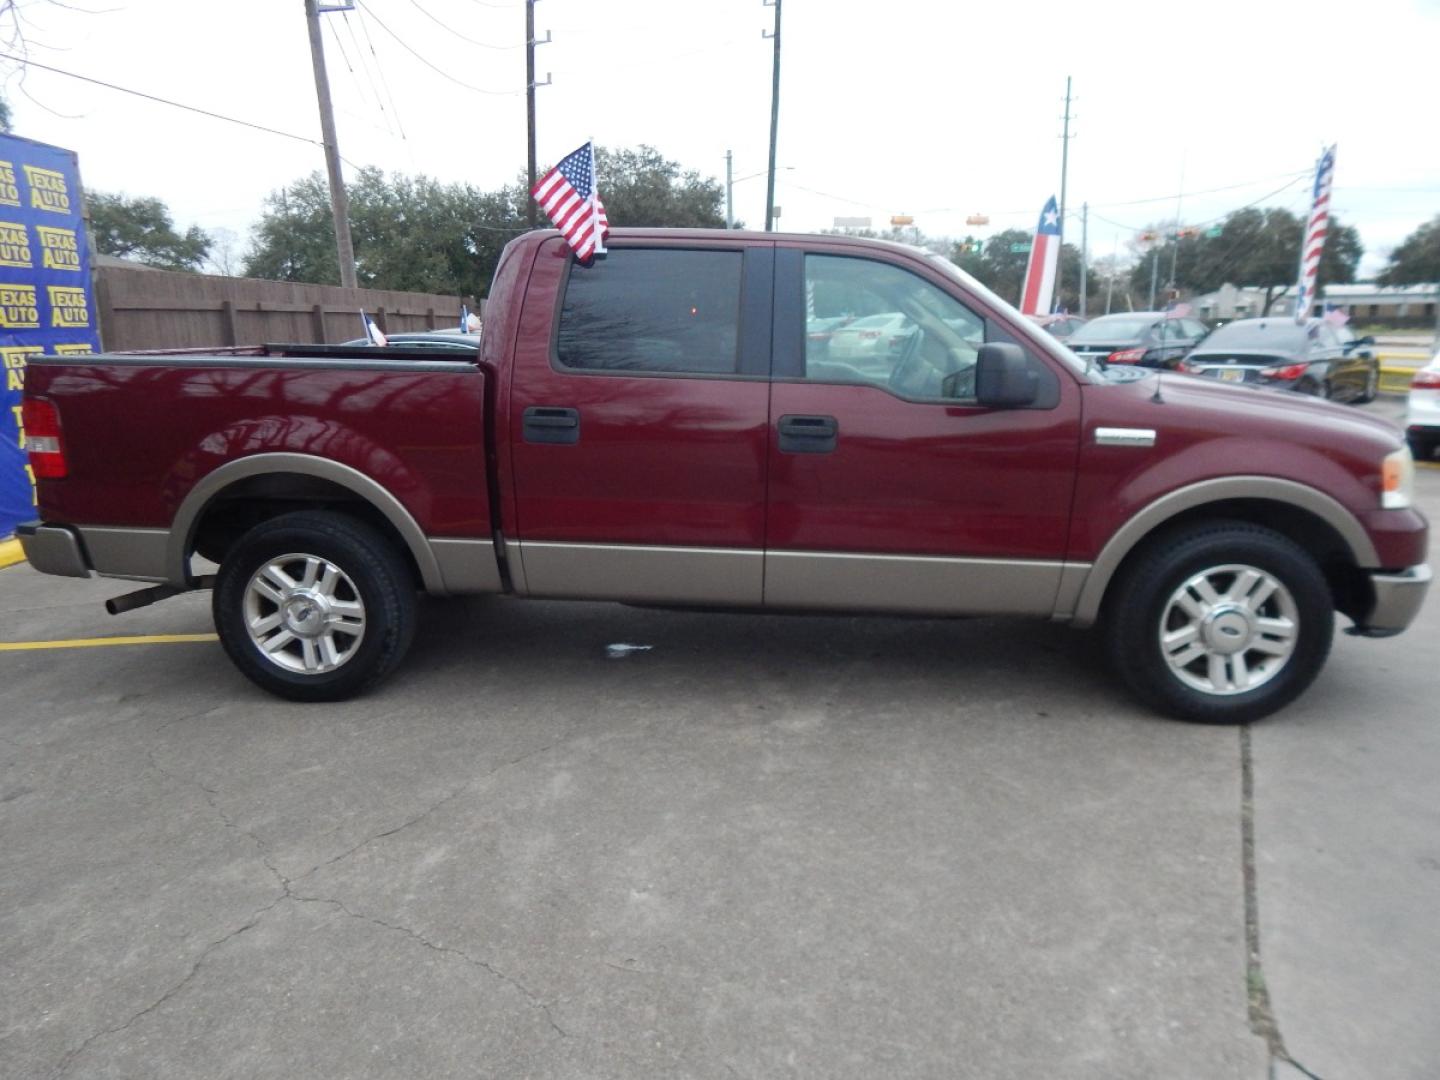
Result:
[[1003, 379]]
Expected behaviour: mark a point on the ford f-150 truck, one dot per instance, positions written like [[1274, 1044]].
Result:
[[732, 420]]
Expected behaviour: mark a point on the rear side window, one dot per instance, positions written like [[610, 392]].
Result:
[[662, 310]]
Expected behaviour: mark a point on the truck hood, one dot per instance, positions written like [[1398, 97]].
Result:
[[1247, 410]]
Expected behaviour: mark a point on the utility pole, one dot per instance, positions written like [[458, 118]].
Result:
[[1154, 274], [530, 100], [1084, 252], [774, 117], [1110, 277], [729, 183], [1064, 171], [339, 204]]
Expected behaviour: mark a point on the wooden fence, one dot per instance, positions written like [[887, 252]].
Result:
[[157, 309]]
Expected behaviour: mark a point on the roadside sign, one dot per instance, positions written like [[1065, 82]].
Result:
[[1214, 232], [852, 223], [1020, 249], [978, 219], [902, 219]]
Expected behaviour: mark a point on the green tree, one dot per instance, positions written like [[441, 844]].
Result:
[[1417, 260], [1258, 248], [410, 232], [641, 187], [1000, 268], [142, 229], [4, 117]]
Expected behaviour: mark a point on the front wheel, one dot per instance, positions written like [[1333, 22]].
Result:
[[1222, 623], [314, 606]]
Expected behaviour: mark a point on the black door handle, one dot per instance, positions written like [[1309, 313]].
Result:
[[551, 424], [808, 434]]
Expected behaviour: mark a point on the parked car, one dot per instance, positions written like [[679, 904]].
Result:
[[1422, 410], [652, 428], [1152, 339], [872, 342], [1060, 326], [1284, 355], [449, 341]]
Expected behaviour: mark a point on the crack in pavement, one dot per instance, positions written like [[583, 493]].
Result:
[[530, 996], [1262, 1012], [461, 790], [64, 1066]]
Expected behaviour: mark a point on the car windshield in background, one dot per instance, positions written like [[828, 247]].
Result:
[[1279, 334], [1111, 329]]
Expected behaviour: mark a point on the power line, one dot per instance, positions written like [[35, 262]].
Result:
[[379, 67], [439, 71], [456, 34], [161, 100]]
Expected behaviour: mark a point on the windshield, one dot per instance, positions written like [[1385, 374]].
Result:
[[1280, 334], [1116, 328]]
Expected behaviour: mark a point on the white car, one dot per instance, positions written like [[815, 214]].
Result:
[[1422, 410]]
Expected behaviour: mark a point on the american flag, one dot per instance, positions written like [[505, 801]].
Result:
[[568, 196], [1315, 236], [1039, 289]]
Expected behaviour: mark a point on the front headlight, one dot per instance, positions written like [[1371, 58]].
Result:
[[1397, 480]]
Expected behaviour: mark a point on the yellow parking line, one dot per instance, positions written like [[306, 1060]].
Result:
[[90, 643], [1428, 464], [11, 553]]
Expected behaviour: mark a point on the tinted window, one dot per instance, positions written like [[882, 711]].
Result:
[[887, 326], [1195, 328], [639, 310]]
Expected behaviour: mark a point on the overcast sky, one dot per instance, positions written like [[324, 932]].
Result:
[[935, 109]]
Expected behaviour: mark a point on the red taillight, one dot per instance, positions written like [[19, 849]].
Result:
[[1126, 356], [1425, 380], [42, 439], [1287, 373]]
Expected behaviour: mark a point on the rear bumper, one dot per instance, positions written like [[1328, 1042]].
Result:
[[1397, 601], [53, 549]]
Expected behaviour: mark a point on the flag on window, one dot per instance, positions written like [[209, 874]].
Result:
[[569, 197], [1039, 290], [464, 318], [372, 332], [1315, 230]]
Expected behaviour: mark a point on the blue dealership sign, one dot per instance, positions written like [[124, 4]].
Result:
[[46, 302]]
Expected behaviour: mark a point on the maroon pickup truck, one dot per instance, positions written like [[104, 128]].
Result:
[[741, 421]]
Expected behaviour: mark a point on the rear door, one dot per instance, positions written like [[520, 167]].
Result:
[[637, 423], [890, 487]]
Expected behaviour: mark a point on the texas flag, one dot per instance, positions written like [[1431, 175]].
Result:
[[1039, 291]]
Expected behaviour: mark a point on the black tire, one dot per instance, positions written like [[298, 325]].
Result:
[[1144, 601], [368, 572], [1311, 388], [1421, 446], [1372, 387]]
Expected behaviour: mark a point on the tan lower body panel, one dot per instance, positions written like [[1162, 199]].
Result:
[[468, 566], [729, 577], [913, 584], [814, 580]]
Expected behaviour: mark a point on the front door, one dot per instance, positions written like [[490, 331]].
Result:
[[637, 424], [891, 488]]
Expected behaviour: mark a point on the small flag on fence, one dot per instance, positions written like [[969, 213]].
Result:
[[1039, 289], [569, 196], [1315, 230], [372, 332]]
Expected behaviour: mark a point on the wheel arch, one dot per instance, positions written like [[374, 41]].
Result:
[[1306, 515], [304, 479]]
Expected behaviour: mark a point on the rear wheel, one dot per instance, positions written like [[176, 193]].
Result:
[[1421, 446], [1221, 623], [1372, 386], [314, 606]]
